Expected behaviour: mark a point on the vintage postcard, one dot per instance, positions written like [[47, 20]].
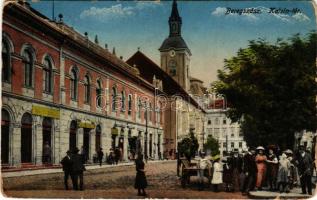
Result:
[[170, 99]]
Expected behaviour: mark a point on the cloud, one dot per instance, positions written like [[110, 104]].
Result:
[[219, 11], [264, 15], [117, 11]]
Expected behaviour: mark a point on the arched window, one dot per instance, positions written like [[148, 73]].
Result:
[[150, 111], [87, 89], [139, 107], [48, 75], [114, 97], [6, 62], [98, 94], [129, 104], [122, 101], [73, 83], [28, 68], [172, 68]]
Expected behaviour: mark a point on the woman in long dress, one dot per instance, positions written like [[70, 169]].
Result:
[[217, 174], [283, 173], [260, 160], [140, 179]]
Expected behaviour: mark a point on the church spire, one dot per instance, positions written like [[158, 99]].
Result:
[[175, 21]]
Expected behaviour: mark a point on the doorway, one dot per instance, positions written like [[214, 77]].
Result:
[[5, 131], [26, 138]]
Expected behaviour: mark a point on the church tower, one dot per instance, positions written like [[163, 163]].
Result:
[[175, 55]]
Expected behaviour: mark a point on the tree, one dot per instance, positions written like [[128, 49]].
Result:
[[188, 146], [212, 145], [271, 89]]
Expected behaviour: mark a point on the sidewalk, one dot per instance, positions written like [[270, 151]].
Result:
[[29, 172], [293, 194]]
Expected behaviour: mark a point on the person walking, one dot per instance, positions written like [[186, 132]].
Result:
[[67, 168], [217, 174], [203, 164], [272, 169], [250, 170], [140, 179], [305, 170], [100, 156], [283, 173], [78, 169], [260, 160]]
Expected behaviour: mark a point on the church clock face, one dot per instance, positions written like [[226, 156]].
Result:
[[172, 53]]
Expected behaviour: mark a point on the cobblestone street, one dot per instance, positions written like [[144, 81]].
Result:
[[114, 182]]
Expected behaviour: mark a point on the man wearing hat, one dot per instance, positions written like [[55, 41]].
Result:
[[305, 170], [78, 169], [272, 168], [67, 168], [203, 164], [235, 163], [250, 171]]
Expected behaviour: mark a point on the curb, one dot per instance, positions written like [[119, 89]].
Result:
[[29, 172]]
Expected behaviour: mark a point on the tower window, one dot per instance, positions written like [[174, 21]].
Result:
[[172, 68]]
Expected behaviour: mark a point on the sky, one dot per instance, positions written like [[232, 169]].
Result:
[[210, 34]]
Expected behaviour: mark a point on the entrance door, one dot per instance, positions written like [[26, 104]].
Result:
[[86, 143], [72, 135], [47, 138], [121, 146], [5, 131], [98, 137], [26, 138]]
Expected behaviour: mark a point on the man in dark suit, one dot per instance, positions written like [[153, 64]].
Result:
[[235, 163], [250, 170], [78, 169], [305, 170], [67, 168]]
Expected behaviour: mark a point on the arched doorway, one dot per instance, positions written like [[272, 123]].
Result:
[[98, 137], [5, 134], [121, 143], [73, 135], [47, 138], [26, 138], [86, 142]]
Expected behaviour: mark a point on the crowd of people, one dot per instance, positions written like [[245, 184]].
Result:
[[257, 168]]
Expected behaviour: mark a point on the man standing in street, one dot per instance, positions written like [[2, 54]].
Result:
[[78, 169], [235, 163], [305, 170], [67, 168], [250, 171]]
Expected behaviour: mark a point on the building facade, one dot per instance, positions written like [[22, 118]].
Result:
[[61, 89], [228, 134]]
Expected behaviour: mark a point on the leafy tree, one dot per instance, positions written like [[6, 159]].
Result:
[[188, 146], [271, 89], [212, 145]]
